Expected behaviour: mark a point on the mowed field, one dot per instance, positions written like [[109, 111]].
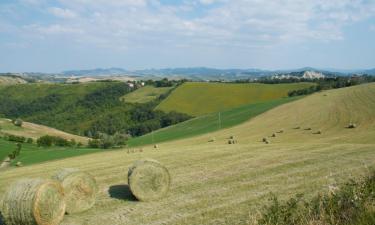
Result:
[[198, 98], [145, 94], [32, 130], [217, 183], [208, 123]]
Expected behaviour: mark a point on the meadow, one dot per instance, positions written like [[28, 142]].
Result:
[[218, 183], [199, 98]]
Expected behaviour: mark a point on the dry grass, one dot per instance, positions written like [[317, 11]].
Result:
[[35, 131], [217, 183]]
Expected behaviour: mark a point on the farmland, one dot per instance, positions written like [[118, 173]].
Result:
[[196, 99], [145, 94], [217, 183]]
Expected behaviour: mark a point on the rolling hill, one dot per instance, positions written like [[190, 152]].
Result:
[[208, 123], [145, 94], [218, 183], [196, 98], [32, 130]]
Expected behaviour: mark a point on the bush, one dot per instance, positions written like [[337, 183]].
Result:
[[18, 122], [16, 138], [48, 141], [29, 141], [106, 141], [352, 203]]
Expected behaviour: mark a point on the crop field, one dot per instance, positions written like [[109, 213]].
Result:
[[198, 98], [208, 123], [31, 130], [145, 94], [218, 183]]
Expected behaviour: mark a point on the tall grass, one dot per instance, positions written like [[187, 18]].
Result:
[[352, 203]]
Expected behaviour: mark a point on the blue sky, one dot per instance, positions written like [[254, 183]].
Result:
[[52, 36]]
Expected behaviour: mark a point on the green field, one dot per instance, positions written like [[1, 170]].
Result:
[[208, 123], [145, 94], [32, 154], [198, 98]]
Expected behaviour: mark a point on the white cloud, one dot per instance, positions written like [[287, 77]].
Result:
[[247, 23], [63, 13]]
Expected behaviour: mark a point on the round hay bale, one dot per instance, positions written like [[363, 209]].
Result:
[[148, 180], [297, 128], [231, 137], [213, 139], [274, 135], [309, 128], [34, 202], [264, 139], [80, 189], [19, 164], [267, 142], [230, 142], [156, 146], [352, 125]]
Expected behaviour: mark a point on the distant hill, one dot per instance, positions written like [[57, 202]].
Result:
[[8, 79], [96, 72], [198, 98]]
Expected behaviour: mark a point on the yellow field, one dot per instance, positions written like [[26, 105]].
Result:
[[217, 183], [198, 98], [32, 130], [145, 94]]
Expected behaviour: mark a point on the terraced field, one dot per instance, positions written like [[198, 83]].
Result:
[[217, 183], [145, 94], [198, 98]]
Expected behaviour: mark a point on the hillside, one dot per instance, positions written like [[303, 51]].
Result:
[[217, 183], [83, 109], [145, 94], [32, 130], [10, 80], [202, 98], [208, 123]]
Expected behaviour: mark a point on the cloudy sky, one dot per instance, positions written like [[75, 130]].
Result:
[[52, 36]]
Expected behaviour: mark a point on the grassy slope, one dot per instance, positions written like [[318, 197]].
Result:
[[145, 94], [203, 98], [217, 183], [31, 130], [208, 123], [31, 154]]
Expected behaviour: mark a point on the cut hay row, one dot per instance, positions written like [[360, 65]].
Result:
[[34, 202], [80, 189], [148, 180]]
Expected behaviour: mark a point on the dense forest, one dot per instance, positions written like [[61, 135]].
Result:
[[89, 109]]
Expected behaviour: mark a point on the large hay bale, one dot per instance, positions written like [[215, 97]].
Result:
[[80, 189], [273, 135], [34, 202], [148, 180], [352, 125], [264, 139]]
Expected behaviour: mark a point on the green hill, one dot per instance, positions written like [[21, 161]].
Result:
[[145, 94], [221, 183], [83, 109], [196, 98], [208, 123]]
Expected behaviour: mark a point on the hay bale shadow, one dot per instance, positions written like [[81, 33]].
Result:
[[121, 192], [1, 219]]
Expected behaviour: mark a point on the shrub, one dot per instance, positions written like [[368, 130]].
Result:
[[16, 138], [351, 203], [18, 122], [29, 141]]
